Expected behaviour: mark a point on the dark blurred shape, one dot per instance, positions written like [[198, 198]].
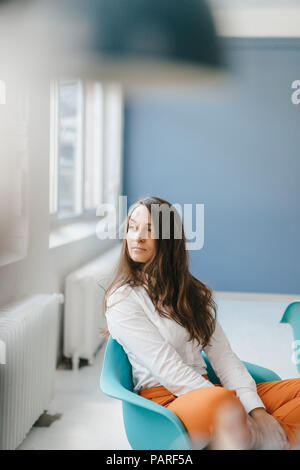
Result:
[[131, 38], [171, 30]]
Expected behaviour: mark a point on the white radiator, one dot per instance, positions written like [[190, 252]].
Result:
[[29, 330], [83, 313]]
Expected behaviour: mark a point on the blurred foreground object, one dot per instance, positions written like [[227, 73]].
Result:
[[124, 40], [230, 430]]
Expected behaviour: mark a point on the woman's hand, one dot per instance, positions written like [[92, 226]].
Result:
[[272, 433]]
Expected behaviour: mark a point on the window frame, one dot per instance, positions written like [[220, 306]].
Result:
[[86, 214]]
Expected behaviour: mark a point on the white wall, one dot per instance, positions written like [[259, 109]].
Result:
[[43, 270], [257, 18]]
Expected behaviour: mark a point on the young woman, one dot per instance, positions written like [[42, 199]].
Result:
[[164, 317]]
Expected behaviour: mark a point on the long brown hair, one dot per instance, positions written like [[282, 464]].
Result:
[[166, 277]]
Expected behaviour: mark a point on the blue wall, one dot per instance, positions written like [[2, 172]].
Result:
[[236, 149]]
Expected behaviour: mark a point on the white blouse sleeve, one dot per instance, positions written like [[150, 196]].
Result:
[[129, 325], [232, 373]]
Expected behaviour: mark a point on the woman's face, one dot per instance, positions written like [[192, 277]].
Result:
[[141, 243]]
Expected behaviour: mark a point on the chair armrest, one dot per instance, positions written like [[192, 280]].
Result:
[[259, 374]]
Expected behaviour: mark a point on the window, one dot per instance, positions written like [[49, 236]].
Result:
[[85, 148], [14, 135]]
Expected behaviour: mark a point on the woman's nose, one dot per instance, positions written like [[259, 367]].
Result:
[[139, 235]]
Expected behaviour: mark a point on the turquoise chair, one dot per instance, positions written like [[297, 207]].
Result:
[[150, 426], [292, 317]]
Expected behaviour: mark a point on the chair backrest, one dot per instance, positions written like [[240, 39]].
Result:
[[116, 375], [117, 369], [292, 316]]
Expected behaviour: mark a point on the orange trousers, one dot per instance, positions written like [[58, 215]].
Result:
[[197, 409]]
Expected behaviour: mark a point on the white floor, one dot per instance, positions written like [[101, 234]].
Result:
[[90, 420]]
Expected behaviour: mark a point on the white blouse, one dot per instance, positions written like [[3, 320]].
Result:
[[160, 353]]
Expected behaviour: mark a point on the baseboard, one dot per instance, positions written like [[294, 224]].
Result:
[[256, 296]]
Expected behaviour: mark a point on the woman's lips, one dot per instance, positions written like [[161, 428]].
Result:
[[136, 248]]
